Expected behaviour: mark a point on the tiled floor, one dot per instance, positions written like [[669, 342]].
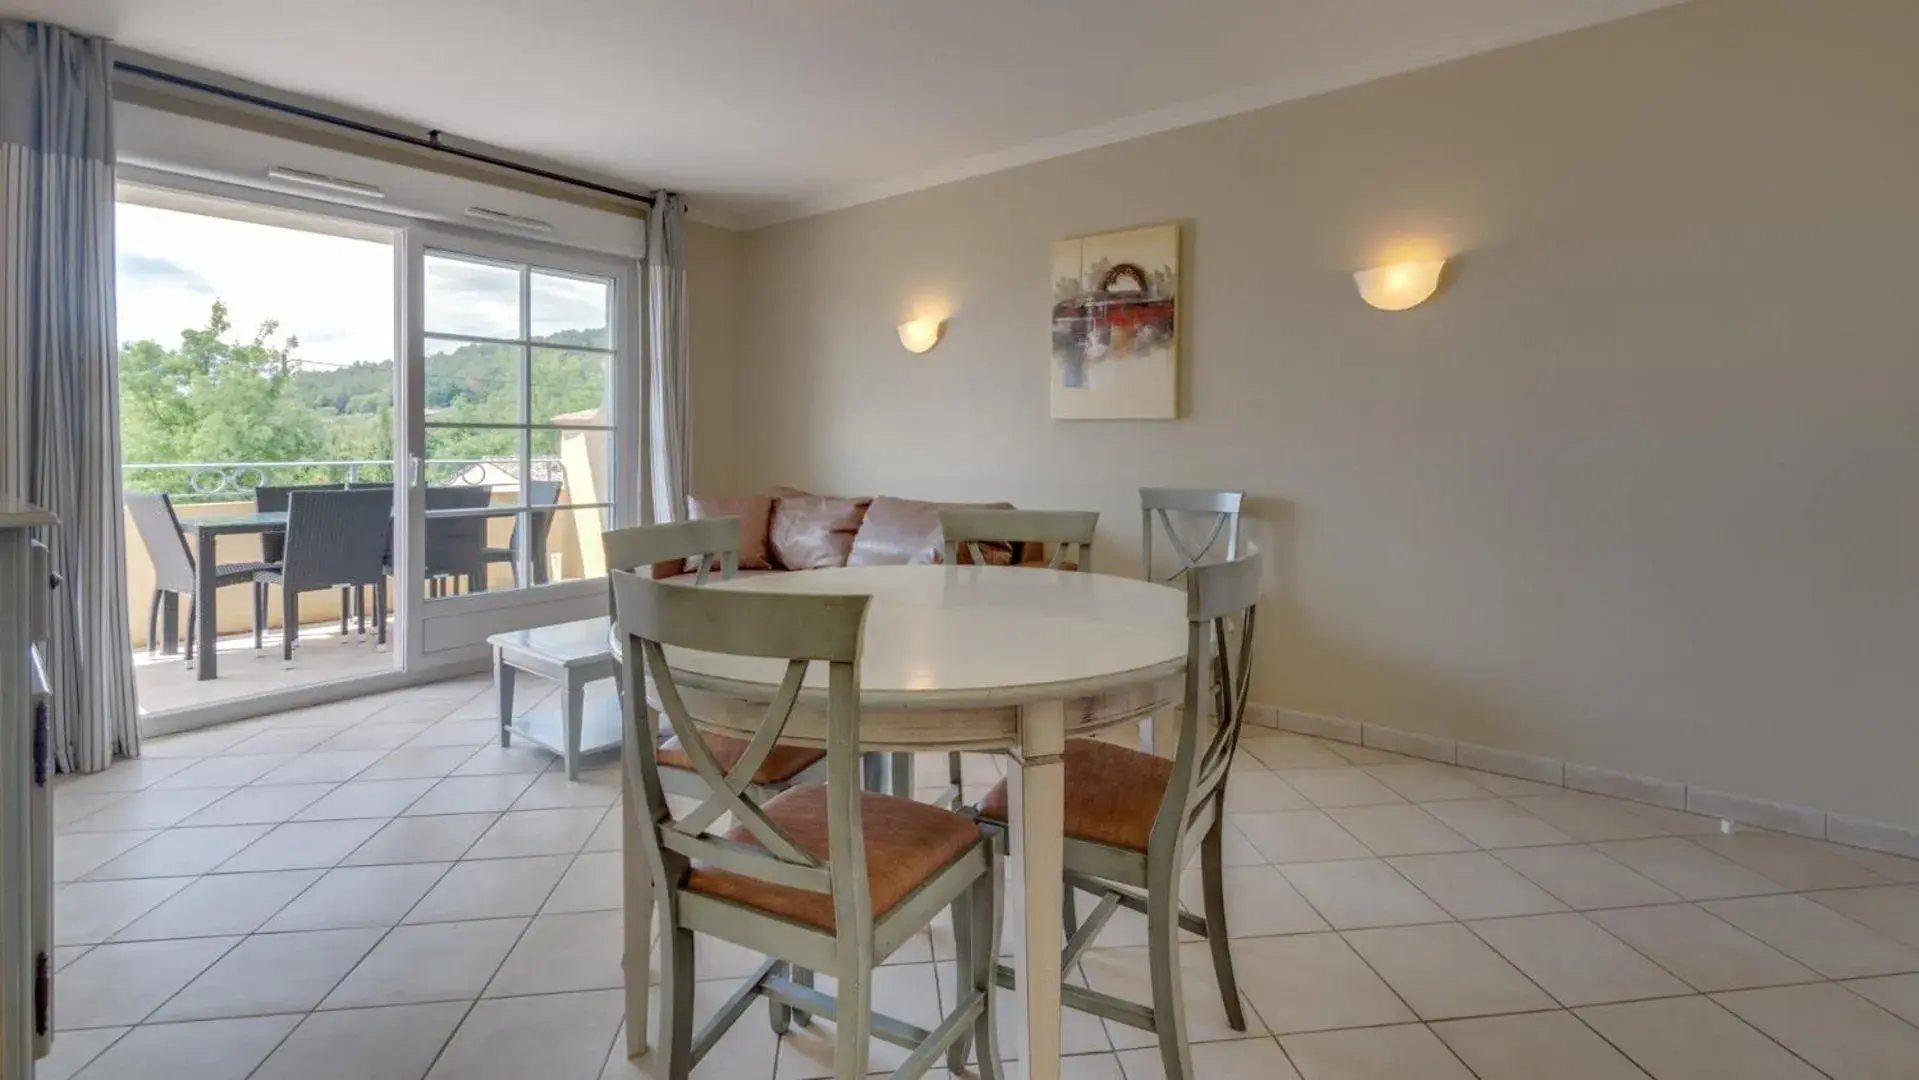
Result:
[[167, 683], [377, 890]]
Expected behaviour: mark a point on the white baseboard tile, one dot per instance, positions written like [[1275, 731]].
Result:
[[1410, 743], [1670, 794], [1265, 716], [1872, 835], [1777, 816], [1540, 770], [1324, 727]]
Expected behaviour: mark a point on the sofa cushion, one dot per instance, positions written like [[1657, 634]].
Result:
[[756, 522], [813, 531], [906, 532]]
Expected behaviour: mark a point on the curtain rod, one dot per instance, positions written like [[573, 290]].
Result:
[[431, 142]]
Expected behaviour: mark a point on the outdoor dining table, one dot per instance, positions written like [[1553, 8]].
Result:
[[1009, 659]]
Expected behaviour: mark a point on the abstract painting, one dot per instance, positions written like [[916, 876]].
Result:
[[1115, 329]]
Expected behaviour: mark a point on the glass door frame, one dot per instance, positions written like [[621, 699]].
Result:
[[452, 630]]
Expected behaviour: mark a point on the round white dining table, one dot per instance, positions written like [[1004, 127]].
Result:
[[1013, 659]]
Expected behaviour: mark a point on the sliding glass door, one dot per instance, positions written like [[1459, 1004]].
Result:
[[518, 389]]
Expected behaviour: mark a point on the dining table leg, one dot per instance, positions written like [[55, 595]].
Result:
[[203, 603], [1036, 873], [637, 898]]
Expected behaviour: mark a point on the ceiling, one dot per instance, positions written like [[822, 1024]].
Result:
[[763, 110]]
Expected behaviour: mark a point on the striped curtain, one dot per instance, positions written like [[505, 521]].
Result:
[[668, 360], [59, 378]]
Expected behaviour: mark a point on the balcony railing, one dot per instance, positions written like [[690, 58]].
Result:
[[230, 481]]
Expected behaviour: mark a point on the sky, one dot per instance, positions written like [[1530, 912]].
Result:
[[333, 293]]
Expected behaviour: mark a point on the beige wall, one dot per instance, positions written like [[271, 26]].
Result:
[[713, 298], [1639, 489]]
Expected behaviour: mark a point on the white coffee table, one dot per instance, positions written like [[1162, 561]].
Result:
[[572, 654]]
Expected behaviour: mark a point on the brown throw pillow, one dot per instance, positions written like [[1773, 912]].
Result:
[[756, 521], [906, 532], [814, 531]]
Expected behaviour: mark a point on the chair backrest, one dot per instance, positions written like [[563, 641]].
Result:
[[710, 540], [273, 500], [538, 493], [457, 545], [1217, 510], [159, 529], [336, 538], [1221, 600], [1061, 528], [653, 616]]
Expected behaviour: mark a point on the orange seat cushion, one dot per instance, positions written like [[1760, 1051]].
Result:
[[1112, 794], [907, 843], [783, 764]]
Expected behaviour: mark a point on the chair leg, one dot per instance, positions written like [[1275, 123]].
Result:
[[989, 896], [1069, 910], [965, 957], [379, 611], [346, 600], [955, 775], [153, 624], [675, 1038], [259, 616], [1211, 876], [852, 1043], [289, 621], [1162, 950], [803, 977], [192, 629], [778, 1015]]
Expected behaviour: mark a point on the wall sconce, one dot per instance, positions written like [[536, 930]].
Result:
[[921, 334], [1400, 285]]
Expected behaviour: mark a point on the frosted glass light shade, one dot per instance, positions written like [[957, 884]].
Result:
[[921, 334], [1399, 286]]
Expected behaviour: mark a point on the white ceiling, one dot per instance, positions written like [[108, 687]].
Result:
[[763, 110]]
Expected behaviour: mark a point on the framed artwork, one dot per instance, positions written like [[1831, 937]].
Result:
[[1115, 325]]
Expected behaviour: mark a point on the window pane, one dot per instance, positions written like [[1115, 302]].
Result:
[[464, 297], [571, 311], [574, 474], [570, 387], [470, 383], [469, 469]]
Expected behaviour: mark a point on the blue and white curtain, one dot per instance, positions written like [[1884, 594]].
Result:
[[59, 379], [667, 355]]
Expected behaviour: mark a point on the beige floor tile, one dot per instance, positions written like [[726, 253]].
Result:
[[1688, 869], [228, 771], [195, 744], [416, 763], [1797, 863], [1693, 1039], [1511, 786], [559, 1037], [1125, 973], [127, 774], [323, 766], [1585, 879], [1407, 1052], [491, 889], [374, 737], [70, 812], [260, 805], [1475, 885], [1259, 902], [365, 799], [494, 759], [221, 904], [205, 1050], [1313, 982], [1893, 868], [439, 962], [1255, 790], [1495, 823], [904, 992], [596, 788], [1817, 936], [88, 911], [303, 845], [121, 984], [1897, 994], [1357, 893], [1244, 1059], [1590, 818], [359, 896], [1444, 972], [471, 794], [1080, 1033], [151, 809], [286, 740], [594, 882], [1399, 830], [537, 832], [1426, 781], [271, 973], [1892, 910], [1331, 787], [473, 733], [428, 839], [1842, 1034], [1235, 848], [606, 837], [1535, 1046], [397, 1042], [181, 852], [1292, 836], [562, 953], [1107, 1066], [76, 855], [1289, 752], [1575, 961], [1704, 951], [75, 1050], [746, 1052]]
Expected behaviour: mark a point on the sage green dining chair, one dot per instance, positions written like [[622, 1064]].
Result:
[[824, 877], [1216, 511], [1064, 530], [1134, 821]]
